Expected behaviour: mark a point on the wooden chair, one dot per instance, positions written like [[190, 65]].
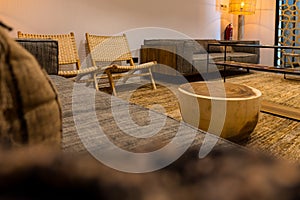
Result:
[[110, 49], [290, 58], [67, 53]]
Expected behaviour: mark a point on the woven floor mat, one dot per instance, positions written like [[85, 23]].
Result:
[[276, 135]]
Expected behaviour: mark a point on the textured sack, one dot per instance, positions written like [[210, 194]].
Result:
[[29, 108]]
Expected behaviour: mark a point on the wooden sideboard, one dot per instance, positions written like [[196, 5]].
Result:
[[164, 55], [189, 56]]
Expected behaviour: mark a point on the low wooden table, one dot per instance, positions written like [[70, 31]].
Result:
[[238, 104], [255, 66], [258, 67]]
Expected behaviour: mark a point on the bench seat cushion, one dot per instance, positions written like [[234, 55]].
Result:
[[200, 60]]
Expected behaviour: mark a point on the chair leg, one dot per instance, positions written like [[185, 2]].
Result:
[[152, 79], [95, 82], [125, 78], [111, 82], [78, 78]]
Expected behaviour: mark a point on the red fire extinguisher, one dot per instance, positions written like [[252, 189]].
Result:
[[228, 32]]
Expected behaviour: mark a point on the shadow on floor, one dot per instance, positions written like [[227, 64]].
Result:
[[199, 77]]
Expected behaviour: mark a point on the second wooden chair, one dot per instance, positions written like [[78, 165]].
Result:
[[110, 49]]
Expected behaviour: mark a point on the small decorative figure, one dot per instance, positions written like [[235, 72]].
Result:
[[228, 32]]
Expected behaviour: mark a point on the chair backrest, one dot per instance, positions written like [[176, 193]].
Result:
[[108, 48], [67, 50]]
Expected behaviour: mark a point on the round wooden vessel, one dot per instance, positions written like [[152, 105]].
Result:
[[226, 109]]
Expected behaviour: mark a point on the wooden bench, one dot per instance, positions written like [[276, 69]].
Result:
[[280, 110], [259, 67]]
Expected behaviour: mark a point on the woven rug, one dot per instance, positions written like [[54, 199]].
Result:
[[98, 123], [273, 134]]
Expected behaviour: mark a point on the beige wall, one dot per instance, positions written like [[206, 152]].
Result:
[[194, 18], [260, 26]]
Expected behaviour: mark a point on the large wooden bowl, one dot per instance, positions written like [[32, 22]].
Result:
[[225, 109]]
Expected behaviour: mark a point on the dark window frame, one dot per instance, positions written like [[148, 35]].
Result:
[[279, 23]]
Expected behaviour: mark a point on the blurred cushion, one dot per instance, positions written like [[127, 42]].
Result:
[[29, 107]]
